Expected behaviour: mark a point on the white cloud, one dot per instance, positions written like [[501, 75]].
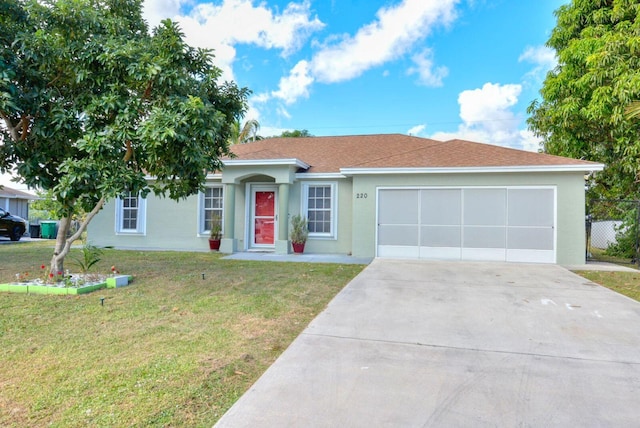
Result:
[[489, 105], [543, 58], [283, 112], [272, 131], [222, 25], [428, 75], [528, 141], [487, 117], [154, 11], [540, 55], [395, 31], [296, 84], [417, 130], [391, 35]]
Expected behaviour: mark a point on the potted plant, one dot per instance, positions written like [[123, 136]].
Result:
[[216, 233], [299, 233]]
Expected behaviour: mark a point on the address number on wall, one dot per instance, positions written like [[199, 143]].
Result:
[[361, 196]]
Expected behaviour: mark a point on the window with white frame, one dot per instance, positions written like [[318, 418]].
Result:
[[130, 214], [319, 204], [211, 208]]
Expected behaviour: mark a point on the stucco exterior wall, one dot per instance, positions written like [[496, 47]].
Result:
[[570, 244], [170, 225], [343, 241], [174, 225]]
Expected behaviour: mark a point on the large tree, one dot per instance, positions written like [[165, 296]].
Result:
[[582, 111], [93, 105]]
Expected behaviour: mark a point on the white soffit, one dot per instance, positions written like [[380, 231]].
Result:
[[474, 170], [266, 162]]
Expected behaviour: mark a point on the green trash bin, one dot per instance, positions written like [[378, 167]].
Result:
[[48, 229]]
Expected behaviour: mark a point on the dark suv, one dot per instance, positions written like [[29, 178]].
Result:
[[12, 225]]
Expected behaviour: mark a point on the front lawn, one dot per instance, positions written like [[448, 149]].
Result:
[[172, 349]]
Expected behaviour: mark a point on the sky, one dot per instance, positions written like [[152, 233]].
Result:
[[438, 69], [432, 68]]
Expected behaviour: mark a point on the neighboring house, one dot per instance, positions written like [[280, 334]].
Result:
[[373, 196], [15, 201]]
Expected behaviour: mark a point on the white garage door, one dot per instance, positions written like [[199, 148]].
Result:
[[492, 223]]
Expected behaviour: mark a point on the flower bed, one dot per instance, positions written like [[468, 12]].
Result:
[[69, 284]]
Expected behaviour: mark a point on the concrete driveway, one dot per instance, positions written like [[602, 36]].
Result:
[[421, 344]]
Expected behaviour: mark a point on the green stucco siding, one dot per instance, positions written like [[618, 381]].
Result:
[[174, 225], [570, 244], [341, 244], [170, 225]]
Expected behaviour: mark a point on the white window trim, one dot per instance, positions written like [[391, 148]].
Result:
[[141, 221], [334, 208], [201, 230]]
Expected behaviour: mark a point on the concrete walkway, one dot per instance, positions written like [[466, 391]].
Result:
[[602, 266], [435, 344], [305, 258]]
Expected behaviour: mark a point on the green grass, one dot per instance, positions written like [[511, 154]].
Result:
[[627, 283], [171, 349]]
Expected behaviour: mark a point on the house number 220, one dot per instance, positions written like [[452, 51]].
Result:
[[361, 196]]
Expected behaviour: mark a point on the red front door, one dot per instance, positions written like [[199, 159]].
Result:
[[264, 217]]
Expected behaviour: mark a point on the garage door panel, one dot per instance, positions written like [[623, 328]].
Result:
[[398, 252], [531, 207], [404, 235], [484, 254], [483, 237], [398, 207], [440, 236], [484, 207], [469, 223], [531, 256], [441, 253], [530, 238], [441, 206]]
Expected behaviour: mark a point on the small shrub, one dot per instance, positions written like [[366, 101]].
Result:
[[626, 237], [299, 229], [90, 256]]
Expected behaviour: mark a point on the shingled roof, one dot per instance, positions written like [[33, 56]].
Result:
[[331, 154]]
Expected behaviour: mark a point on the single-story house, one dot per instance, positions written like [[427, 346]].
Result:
[[373, 196], [15, 201]]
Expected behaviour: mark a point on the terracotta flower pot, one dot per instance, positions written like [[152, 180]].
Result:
[[214, 244], [298, 247]]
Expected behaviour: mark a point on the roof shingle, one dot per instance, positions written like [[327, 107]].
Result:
[[330, 154]]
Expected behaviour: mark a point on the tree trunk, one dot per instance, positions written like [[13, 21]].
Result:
[[63, 244], [57, 261]]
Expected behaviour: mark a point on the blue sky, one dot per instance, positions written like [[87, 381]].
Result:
[[440, 69], [434, 68]]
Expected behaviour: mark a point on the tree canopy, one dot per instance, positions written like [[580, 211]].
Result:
[[296, 133], [92, 105], [582, 110]]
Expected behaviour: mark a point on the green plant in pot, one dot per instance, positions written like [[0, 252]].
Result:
[[215, 234], [299, 233]]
